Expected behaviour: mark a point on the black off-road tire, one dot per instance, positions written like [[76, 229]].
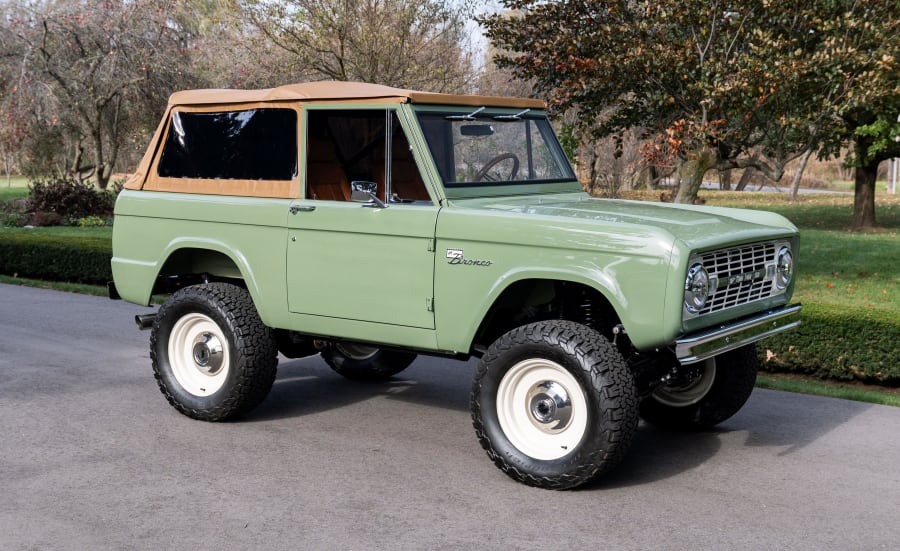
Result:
[[362, 363], [734, 379], [552, 363], [216, 314]]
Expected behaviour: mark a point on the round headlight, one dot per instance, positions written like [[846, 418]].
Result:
[[784, 268], [696, 288]]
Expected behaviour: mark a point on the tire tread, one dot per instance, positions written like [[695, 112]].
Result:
[[255, 364]]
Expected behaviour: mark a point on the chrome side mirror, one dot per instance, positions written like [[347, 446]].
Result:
[[364, 192]]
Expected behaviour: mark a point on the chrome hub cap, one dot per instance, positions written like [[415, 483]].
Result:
[[208, 353], [551, 409], [542, 409]]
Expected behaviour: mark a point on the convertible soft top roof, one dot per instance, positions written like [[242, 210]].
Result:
[[322, 91], [328, 90]]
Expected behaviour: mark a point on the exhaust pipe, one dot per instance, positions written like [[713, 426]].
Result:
[[144, 321]]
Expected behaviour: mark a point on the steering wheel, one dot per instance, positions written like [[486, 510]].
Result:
[[483, 176]]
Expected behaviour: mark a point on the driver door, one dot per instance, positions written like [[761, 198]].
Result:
[[367, 261]]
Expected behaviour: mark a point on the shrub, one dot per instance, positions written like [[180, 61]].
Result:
[[69, 198], [12, 212], [90, 222], [838, 343], [42, 218], [75, 259], [12, 219]]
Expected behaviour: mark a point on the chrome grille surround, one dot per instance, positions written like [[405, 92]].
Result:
[[739, 275]]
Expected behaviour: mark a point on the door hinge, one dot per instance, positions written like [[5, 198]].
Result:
[[429, 304], [431, 245]]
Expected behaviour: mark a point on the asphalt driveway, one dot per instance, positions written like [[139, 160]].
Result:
[[92, 457]]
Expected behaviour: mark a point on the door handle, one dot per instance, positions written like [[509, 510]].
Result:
[[302, 208]]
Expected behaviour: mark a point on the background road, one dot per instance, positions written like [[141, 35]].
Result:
[[92, 457]]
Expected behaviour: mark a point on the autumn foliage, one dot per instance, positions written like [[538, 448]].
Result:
[[711, 84]]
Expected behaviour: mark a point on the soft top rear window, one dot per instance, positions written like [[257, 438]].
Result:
[[252, 144]]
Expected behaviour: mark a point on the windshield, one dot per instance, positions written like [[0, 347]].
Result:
[[494, 149]]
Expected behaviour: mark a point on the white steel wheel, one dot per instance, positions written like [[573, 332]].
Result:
[[360, 362], [541, 409], [356, 351], [678, 396], [198, 354], [716, 391]]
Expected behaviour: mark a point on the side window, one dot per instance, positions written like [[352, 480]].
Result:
[[406, 180], [348, 146], [253, 144]]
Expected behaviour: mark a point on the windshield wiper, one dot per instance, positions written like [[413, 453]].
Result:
[[516, 117], [469, 117]]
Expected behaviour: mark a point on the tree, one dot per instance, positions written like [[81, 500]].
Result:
[[689, 73], [713, 84], [94, 69], [417, 44], [858, 60], [12, 123]]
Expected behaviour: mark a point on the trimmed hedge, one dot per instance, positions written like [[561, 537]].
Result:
[[74, 259], [843, 344]]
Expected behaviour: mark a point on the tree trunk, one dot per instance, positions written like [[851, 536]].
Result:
[[653, 177], [76, 161], [725, 180], [864, 197], [99, 164], [676, 183], [692, 172], [798, 175]]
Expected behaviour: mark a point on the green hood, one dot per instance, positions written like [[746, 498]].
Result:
[[698, 227]]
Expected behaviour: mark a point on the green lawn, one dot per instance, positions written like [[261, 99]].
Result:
[[15, 192], [858, 271], [14, 181], [849, 185]]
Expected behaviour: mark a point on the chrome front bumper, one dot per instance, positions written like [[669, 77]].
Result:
[[700, 346]]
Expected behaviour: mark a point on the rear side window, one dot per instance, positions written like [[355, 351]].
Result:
[[255, 144]]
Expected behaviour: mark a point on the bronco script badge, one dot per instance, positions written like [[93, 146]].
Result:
[[456, 256]]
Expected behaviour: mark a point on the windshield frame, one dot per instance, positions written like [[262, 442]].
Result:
[[566, 182]]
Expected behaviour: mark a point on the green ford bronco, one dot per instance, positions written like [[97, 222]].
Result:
[[370, 224]]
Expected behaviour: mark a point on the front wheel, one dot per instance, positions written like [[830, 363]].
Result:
[[365, 363], [713, 391], [554, 404], [212, 356]]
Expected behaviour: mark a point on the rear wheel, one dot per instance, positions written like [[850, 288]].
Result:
[[366, 363], [710, 393], [212, 357], [554, 404]]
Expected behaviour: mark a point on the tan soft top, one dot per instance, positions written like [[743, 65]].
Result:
[[345, 92]]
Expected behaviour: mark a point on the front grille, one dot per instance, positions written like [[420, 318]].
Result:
[[739, 275]]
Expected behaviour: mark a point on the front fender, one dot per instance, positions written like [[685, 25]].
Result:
[[631, 285]]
